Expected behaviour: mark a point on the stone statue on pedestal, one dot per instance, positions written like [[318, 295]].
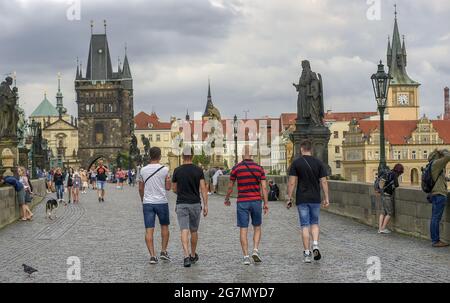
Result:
[[8, 113], [310, 109], [310, 114]]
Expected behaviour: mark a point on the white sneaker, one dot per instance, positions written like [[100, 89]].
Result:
[[385, 231], [306, 257], [246, 260], [256, 257]]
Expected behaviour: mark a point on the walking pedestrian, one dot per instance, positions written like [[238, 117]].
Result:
[[310, 174], [69, 183], [188, 182], [153, 183], [100, 173], [250, 178], [215, 179], [84, 181], [76, 187], [58, 180]]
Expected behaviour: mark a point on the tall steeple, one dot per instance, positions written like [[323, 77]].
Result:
[[396, 58], [99, 65], [446, 103], [126, 72], [77, 77], [59, 98], [210, 110]]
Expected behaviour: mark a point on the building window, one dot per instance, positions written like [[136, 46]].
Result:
[[99, 133], [425, 154], [150, 138], [336, 135], [338, 164], [398, 155], [377, 155], [337, 149], [158, 138], [413, 155]]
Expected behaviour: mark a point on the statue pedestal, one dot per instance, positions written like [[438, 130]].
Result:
[[11, 145], [318, 135]]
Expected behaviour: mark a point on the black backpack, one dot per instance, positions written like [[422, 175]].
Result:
[[383, 181], [427, 178]]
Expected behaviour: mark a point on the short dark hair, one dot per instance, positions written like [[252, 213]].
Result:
[[155, 153], [306, 145], [188, 152]]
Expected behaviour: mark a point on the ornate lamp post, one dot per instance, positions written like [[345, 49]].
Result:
[[381, 81], [235, 126], [34, 129]]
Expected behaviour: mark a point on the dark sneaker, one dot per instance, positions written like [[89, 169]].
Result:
[[153, 260], [256, 257], [316, 253], [164, 256], [194, 259], [99, 200], [103, 199], [440, 244], [306, 257], [187, 262]]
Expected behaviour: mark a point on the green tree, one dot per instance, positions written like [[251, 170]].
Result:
[[202, 159]]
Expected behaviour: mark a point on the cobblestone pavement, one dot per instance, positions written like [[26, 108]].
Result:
[[109, 240]]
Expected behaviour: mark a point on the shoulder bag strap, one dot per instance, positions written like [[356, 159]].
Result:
[[153, 174], [257, 179], [312, 173]]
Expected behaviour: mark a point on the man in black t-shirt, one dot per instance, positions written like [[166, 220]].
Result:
[[310, 174], [101, 171], [188, 182]]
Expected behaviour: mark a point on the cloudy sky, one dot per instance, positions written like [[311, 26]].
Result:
[[251, 50]]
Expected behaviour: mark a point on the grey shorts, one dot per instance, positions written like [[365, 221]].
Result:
[[189, 216], [387, 203], [21, 197]]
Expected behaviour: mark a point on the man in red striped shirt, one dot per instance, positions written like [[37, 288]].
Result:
[[250, 178]]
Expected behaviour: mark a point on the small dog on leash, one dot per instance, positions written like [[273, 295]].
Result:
[[51, 207]]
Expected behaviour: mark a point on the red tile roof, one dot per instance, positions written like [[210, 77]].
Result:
[[289, 118], [348, 116], [144, 121], [443, 128], [396, 132]]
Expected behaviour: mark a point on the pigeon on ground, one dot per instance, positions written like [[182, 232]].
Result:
[[28, 269]]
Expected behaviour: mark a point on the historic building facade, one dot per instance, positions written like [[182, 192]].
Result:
[[407, 142], [59, 129], [409, 139], [105, 105], [157, 132]]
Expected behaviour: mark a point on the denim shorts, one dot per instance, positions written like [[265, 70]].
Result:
[[308, 214], [245, 210], [101, 185], [153, 210]]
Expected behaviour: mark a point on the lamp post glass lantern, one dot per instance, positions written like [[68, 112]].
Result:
[[381, 82]]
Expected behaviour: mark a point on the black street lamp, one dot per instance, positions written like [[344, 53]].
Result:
[[235, 126], [381, 82], [33, 127]]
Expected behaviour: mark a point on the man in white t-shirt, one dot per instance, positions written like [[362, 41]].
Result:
[[154, 181]]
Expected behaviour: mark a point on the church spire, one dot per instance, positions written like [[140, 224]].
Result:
[[59, 98], [77, 77], [396, 57], [126, 72]]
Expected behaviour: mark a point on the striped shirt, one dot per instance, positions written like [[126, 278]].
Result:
[[249, 189]]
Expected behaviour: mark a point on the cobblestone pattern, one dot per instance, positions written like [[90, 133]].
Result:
[[109, 240]]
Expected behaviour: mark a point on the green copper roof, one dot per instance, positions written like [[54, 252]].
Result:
[[45, 109], [397, 60]]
